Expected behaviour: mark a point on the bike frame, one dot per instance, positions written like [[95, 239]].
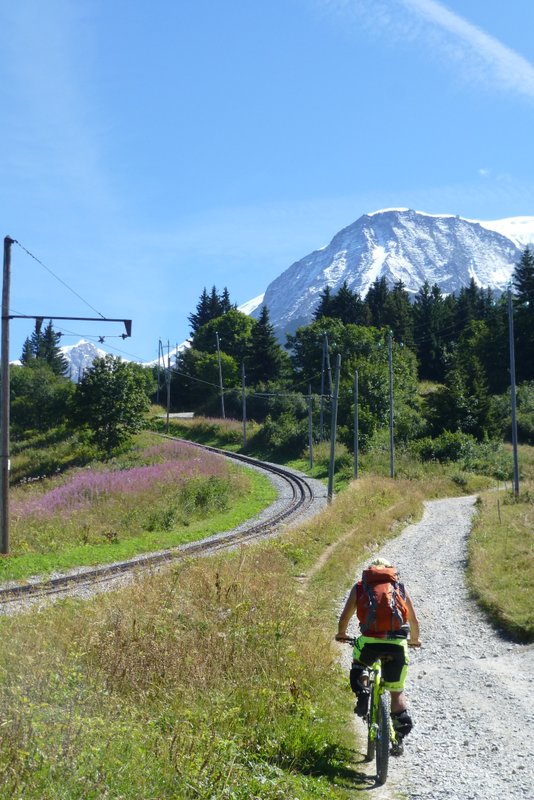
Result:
[[376, 682]]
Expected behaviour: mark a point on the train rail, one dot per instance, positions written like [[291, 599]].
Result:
[[296, 495]]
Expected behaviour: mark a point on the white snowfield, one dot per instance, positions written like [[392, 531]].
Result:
[[469, 690], [400, 244]]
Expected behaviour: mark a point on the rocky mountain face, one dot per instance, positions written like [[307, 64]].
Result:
[[80, 357], [400, 245]]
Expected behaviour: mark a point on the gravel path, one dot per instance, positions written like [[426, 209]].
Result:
[[469, 690]]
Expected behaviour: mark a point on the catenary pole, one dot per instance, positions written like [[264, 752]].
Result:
[[243, 384], [220, 374], [513, 390], [4, 401], [391, 440], [333, 432], [321, 410], [168, 382], [310, 425], [356, 432]]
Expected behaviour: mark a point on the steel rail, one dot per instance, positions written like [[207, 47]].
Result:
[[302, 496]]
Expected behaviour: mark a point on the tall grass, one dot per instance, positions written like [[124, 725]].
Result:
[[216, 679], [501, 560]]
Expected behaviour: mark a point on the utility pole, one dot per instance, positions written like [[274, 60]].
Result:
[[321, 411], [5, 384], [244, 404], [4, 401], [160, 354], [168, 382], [356, 432], [513, 390], [391, 441], [333, 433], [220, 374], [310, 425]]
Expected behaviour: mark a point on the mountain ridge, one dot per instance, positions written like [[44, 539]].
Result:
[[401, 245]]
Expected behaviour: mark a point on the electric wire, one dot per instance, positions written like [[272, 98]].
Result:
[[59, 279]]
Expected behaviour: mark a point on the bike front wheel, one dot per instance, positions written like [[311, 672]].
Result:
[[382, 741], [371, 735]]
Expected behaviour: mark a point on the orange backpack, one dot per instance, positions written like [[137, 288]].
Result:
[[381, 601]]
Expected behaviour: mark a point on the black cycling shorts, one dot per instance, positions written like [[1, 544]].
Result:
[[394, 659]]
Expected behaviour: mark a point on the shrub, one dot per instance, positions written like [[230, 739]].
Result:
[[448, 446]]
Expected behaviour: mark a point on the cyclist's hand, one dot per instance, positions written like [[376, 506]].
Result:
[[415, 643], [342, 637]]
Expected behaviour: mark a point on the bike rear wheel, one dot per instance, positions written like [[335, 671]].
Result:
[[382, 741]]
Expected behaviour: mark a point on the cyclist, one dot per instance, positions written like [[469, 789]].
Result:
[[372, 644]]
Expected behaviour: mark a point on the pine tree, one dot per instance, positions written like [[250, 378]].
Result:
[[27, 355], [349, 307], [523, 280], [202, 313], [51, 352], [432, 327], [376, 300], [325, 307], [225, 303], [399, 314], [265, 357], [214, 304]]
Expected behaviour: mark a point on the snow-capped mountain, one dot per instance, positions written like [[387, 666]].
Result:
[[399, 244], [80, 357]]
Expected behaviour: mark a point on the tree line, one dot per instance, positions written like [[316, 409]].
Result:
[[456, 343]]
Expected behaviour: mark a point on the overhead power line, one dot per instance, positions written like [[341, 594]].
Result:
[[59, 279]]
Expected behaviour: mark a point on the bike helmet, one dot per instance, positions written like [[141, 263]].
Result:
[[380, 562]]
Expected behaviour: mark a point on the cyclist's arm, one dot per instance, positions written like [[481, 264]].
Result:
[[413, 622], [346, 614]]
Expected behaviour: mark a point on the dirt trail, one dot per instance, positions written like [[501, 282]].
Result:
[[469, 690]]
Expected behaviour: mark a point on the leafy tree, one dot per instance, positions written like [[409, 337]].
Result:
[[112, 399], [195, 384], [234, 329], [364, 349], [265, 358], [39, 397]]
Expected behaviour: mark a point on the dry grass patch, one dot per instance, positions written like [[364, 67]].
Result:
[[501, 560]]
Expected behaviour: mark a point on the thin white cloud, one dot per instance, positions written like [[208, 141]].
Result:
[[512, 70], [477, 56]]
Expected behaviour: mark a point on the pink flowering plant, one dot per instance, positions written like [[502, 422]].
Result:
[[164, 487]]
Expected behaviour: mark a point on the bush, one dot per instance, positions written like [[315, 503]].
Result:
[[446, 447], [283, 436]]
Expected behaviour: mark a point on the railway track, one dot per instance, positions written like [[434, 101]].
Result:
[[296, 494]]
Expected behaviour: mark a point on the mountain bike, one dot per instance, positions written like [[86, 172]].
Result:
[[382, 739]]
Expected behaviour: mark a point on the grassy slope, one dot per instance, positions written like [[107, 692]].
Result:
[[218, 681]]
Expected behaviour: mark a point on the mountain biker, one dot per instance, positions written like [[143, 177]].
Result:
[[372, 644]]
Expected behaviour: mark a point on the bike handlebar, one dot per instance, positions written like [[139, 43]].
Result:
[[352, 641]]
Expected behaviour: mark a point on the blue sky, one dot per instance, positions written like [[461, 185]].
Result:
[[149, 149]]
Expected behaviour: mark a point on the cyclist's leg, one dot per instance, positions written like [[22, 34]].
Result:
[[359, 676], [394, 670]]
